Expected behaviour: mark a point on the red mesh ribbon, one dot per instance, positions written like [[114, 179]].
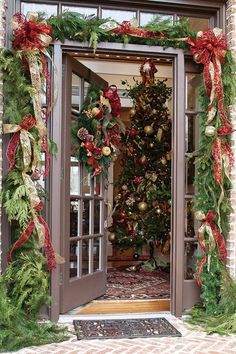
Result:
[[91, 149], [27, 123], [219, 239], [29, 34], [209, 48], [49, 251], [114, 99], [128, 28]]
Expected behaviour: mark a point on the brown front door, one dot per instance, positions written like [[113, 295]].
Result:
[[83, 233]]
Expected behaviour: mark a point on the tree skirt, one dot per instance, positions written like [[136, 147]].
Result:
[[136, 285], [128, 328]]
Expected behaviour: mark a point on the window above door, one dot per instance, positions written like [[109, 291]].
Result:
[[201, 14]]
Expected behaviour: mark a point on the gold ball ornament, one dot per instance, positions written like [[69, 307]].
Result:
[[148, 129], [97, 112], [132, 112], [142, 206], [151, 145], [158, 211], [106, 151], [210, 130], [163, 161], [124, 187], [112, 236], [199, 215]]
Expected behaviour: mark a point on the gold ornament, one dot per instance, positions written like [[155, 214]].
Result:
[[210, 130], [96, 111], [151, 145], [142, 206], [106, 150], [158, 211], [163, 161], [168, 155], [159, 134], [132, 112], [199, 215], [124, 187], [111, 236], [148, 129]]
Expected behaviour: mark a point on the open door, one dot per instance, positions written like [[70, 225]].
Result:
[[83, 234]]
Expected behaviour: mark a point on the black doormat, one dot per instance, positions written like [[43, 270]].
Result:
[[127, 328]]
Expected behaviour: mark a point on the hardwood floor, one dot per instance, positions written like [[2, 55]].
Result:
[[124, 306]]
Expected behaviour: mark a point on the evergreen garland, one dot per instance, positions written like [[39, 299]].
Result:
[[21, 296], [74, 26]]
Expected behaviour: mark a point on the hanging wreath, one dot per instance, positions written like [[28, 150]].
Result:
[[98, 129]]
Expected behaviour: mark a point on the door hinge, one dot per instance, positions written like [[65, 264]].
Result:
[[60, 278]]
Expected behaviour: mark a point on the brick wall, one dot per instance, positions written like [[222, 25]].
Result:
[[231, 243], [2, 35]]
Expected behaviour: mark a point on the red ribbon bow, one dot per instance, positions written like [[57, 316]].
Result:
[[209, 48], [111, 94], [27, 33], [27, 123]]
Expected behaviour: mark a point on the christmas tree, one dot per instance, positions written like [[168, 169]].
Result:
[[142, 209]]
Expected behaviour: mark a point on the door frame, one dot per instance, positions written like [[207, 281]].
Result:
[[178, 162]]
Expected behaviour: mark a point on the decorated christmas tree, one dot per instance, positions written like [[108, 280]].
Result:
[[142, 209]]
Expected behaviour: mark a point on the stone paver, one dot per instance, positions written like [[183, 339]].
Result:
[[192, 341]]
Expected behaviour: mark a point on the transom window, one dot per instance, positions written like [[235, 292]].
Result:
[[119, 14]]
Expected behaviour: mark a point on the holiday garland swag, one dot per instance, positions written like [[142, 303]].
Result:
[[24, 285]]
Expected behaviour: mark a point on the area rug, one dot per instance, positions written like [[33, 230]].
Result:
[[136, 285], [128, 328]]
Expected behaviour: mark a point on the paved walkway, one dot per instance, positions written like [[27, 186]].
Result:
[[196, 342]]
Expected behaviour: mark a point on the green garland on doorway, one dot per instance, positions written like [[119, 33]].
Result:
[[21, 295], [76, 27]]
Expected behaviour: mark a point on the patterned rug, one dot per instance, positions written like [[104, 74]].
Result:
[[136, 285], [128, 328]]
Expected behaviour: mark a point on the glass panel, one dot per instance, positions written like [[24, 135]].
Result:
[[193, 82], [76, 89], [74, 208], [97, 185], [86, 217], [119, 15], [147, 17], [189, 219], [86, 11], [96, 254], [74, 176], [191, 253], [190, 174], [97, 216], [197, 23], [73, 259], [86, 86], [86, 183], [85, 257], [49, 10], [191, 132]]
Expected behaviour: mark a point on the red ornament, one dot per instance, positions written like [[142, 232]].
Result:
[[143, 160], [133, 132], [138, 179]]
